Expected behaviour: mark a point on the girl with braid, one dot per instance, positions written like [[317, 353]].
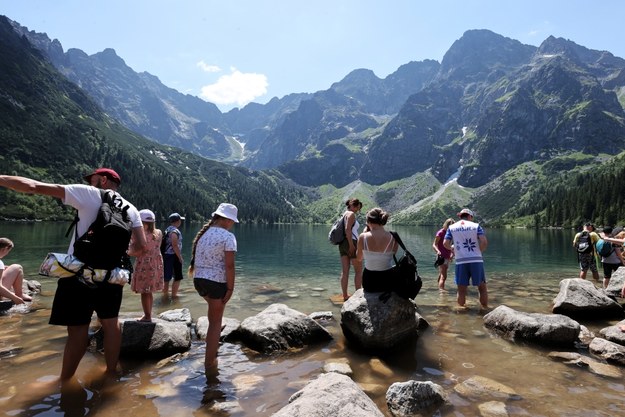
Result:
[[212, 270]]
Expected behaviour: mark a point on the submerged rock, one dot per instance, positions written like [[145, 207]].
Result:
[[330, 394], [479, 387]]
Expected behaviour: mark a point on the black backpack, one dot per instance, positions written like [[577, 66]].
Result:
[[584, 243], [164, 242], [106, 241], [406, 281]]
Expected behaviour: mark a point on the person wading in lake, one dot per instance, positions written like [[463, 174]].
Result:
[[468, 241], [347, 248], [585, 242], [212, 270], [443, 255], [74, 302]]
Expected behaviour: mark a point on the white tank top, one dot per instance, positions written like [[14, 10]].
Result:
[[378, 261]]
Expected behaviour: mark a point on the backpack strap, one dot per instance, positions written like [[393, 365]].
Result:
[[398, 239]]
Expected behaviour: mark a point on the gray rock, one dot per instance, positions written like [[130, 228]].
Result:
[[228, 325], [479, 387], [158, 339], [580, 361], [330, 394], [338, 367], [551, 329], [493, 409], [610, 351], [580, 298], [278, 328], [614, 333], [32, 286], [412, 397], [616, 284], [321, 315], [179, 315], [373, 325]]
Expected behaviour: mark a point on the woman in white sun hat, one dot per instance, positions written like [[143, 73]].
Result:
[[212, 270]]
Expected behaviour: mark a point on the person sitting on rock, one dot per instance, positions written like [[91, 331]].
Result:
[[377, 247], [11, 277]]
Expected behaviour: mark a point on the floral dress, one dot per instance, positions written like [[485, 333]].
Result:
[[148, 273]]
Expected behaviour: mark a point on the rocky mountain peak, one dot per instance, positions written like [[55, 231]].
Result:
[[478, 52]]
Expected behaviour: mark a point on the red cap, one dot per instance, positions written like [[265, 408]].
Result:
[[105, 172]]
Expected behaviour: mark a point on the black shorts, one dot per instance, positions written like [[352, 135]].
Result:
[[209, 288], [75, 302], [608, 269], [377, 281], [172, 267]]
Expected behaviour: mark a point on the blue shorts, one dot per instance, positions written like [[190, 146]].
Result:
[[172, 267], [473, 270]]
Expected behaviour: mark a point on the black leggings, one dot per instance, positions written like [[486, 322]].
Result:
[[376, 281]]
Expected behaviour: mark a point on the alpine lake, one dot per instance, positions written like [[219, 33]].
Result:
[[297, 266]]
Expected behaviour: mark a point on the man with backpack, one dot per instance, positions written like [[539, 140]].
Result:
[[584, 242], [74, 302], [172, 255], [611, 256]]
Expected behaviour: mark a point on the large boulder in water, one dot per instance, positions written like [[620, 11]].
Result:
[[278, 328], [579, 298], [331, 394], [549, 329], [616, 284], [379, 326]]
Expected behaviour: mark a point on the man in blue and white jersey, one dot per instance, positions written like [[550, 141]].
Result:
[[468, 241]]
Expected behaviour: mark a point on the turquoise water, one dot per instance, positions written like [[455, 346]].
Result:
[[295, 265]]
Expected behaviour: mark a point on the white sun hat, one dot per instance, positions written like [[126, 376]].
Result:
[[227, 210]]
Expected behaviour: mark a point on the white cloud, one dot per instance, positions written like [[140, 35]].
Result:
[[236, 87], [208, 68]]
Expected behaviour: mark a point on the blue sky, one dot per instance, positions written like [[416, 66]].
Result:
[[231, 52]]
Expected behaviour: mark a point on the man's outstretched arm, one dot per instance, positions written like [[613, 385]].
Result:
[[30, 186]]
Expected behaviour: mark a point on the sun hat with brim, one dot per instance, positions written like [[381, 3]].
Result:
[[227, 210], [466, 211], [105, 172], [147, 216]]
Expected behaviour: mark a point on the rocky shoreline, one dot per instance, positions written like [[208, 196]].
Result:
[[371, 326]]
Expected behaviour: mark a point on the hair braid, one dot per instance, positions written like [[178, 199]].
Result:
[[195, 240]]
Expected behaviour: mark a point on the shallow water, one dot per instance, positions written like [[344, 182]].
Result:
[[304, 267]]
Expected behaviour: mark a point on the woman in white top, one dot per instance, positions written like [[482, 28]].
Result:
[[377, 247], [347, 248], [212, 269]]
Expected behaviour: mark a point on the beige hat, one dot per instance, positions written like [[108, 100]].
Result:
[[227, 210], [466, 211]]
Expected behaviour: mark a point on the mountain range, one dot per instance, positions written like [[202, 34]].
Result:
[[485, 127]]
